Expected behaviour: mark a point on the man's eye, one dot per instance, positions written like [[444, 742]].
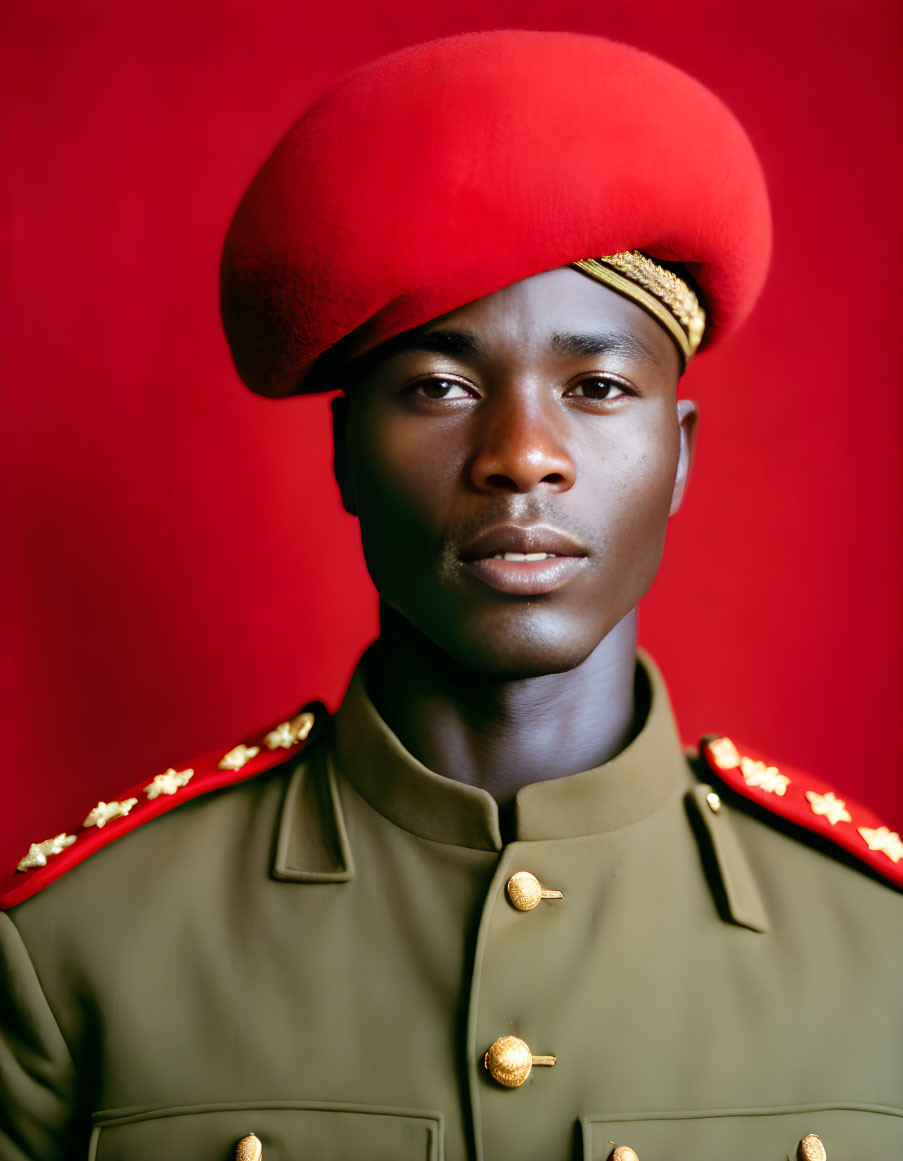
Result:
[[441, 389], [597, 389]]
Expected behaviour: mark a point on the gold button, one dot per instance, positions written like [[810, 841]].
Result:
[[509, 1061], [811, 1149], [524, 891], [623, 1153], [249, 1149], [714, 802]]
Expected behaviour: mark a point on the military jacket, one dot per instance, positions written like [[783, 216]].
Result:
[[323, 955]]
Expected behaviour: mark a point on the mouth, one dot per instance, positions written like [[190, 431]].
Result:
[[524, 560]]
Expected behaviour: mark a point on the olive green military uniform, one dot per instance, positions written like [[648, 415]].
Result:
[[323, 954]]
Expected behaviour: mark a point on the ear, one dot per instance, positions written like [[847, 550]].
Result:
[[340, 453], [688, 422]]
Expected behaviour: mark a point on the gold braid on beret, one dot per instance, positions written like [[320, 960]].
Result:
[[657, 290]]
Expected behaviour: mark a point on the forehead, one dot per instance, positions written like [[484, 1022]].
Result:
[[559, 313]]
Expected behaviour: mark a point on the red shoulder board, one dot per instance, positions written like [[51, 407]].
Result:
[[810, 803], [107, 821]]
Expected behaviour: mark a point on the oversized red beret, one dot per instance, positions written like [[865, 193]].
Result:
[[448, 170]]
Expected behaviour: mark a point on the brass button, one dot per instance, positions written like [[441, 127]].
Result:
[[811, 1149], [714, 801], [509, 1061], [524, 891], [623, 1153], [249, 1149]]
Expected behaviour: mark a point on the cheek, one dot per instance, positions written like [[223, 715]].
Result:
[[403, 479], [634, 483]]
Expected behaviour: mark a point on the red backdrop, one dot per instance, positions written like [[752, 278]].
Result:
[[177, 567]]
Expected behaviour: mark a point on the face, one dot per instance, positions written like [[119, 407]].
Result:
[[513, 465]]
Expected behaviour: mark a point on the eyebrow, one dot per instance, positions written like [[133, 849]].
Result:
[[467, 345], [439, 342], [603, 343]]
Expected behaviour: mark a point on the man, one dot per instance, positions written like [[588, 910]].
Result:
[[490, 910]]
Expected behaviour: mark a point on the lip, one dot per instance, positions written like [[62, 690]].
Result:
[[522, 538], [529, 578], [526, 578]]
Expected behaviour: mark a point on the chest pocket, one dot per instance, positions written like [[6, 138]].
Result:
[[288, 1131], [854, 1132]]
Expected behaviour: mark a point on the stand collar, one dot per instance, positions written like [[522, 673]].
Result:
[[622, 791]]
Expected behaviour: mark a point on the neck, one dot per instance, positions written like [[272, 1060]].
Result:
[[498, 734]]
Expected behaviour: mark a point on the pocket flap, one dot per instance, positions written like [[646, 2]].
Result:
[[288, 1131], [767, 1134]]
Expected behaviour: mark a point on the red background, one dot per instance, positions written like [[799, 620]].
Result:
[[177, 568]]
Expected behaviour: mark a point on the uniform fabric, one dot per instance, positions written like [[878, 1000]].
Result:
[[446, 171], [321, 956]]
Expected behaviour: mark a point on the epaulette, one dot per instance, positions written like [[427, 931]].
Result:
[[810, 803], [145, 800]]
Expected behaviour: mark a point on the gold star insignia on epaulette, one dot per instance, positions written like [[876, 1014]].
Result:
[[105, 812], [828, 805], [288, 734], [767, 778], [168, 782], [888, 842], [724, 754], [39, 853], [237, 757]]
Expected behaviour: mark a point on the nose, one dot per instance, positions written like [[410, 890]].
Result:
[[522, 446]]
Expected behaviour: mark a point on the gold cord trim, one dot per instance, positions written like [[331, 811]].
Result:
[[659, 291]]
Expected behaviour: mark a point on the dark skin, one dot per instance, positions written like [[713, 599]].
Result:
[[542, 417]]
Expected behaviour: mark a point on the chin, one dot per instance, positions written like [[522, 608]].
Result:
[[513, 648]]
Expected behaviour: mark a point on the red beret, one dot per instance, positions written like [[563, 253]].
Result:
[[446, 171]]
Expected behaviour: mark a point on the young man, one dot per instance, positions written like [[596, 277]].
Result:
[[490, 910]]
